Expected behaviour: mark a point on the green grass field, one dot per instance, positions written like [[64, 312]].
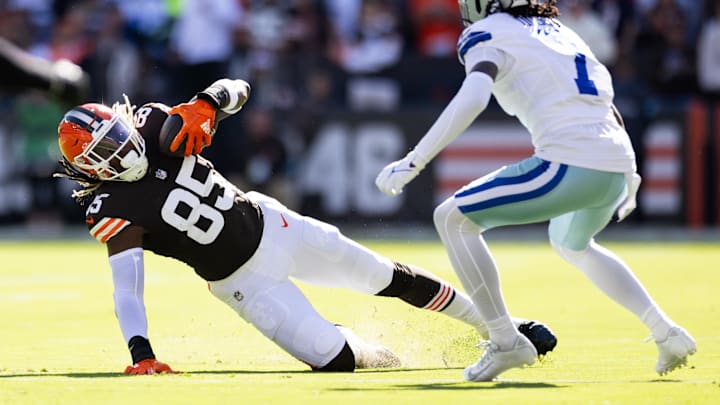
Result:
[[60, 342]]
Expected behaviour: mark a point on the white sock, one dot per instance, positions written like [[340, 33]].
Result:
[[502, 332], [463, 309], [658, 323]]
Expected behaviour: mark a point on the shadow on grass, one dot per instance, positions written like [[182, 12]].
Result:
[[458, 386], [42, 374], [91, 374], [449, 386]]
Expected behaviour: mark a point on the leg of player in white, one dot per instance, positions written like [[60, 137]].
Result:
[[317, 253], [614, 278], [478, 274], [262, 294], [533, 191]]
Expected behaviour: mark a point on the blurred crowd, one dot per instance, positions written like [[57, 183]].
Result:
[[304, 58]]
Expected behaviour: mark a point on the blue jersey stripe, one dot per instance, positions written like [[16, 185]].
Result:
[[508, 199], [471, 40], [505, 181]]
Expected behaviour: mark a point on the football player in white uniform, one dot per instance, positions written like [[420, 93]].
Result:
[[581, 173], [144, 190]]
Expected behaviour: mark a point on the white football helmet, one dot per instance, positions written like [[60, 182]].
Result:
[[474, 10]]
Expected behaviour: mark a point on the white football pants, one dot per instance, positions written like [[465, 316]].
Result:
[[311, 251]]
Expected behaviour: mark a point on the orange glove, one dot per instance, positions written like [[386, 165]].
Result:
[[198, 125], [149, 366]]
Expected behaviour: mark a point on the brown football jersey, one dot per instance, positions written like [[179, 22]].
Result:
[[188, 210]]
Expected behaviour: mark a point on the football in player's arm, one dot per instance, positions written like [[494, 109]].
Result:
[[146, 187]]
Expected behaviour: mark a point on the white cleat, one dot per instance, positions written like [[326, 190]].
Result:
[[495, 361], [368, 355], [674, 350]]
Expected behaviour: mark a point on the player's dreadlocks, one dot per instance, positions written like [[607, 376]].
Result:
[[547, 8], [88, 183]]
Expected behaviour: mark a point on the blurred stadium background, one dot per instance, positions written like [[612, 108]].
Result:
[[341, 87]]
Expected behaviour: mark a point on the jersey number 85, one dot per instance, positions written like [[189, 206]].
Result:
[[190, 194]]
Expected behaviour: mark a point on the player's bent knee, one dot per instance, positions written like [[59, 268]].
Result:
[[569, 255], [309, 338], [413, 285], [315, 339], [281, 315], [442, 213], [343, 362], [448, 219], [402, 281]]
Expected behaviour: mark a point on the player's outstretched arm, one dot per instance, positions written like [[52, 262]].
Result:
[[128, 273], [199, 116], [470, 100], [20, 71]]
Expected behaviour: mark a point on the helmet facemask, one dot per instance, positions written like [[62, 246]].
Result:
[[116, 151], [103, 143]]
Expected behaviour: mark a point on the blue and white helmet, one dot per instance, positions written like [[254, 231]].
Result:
[[474, 10]]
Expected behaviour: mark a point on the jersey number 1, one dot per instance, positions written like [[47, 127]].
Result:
[[583, 82]]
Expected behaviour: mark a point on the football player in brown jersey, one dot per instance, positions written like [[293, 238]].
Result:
[[146, 187]]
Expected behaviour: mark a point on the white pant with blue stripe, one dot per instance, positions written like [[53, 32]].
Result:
[[578, 202]]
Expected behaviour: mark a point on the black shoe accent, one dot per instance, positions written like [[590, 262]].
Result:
[[540, 335]]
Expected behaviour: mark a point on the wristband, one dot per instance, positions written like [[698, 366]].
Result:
[[140, 349], [226, 95]]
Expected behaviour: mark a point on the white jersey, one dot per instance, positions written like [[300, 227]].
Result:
[[550, 80]]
